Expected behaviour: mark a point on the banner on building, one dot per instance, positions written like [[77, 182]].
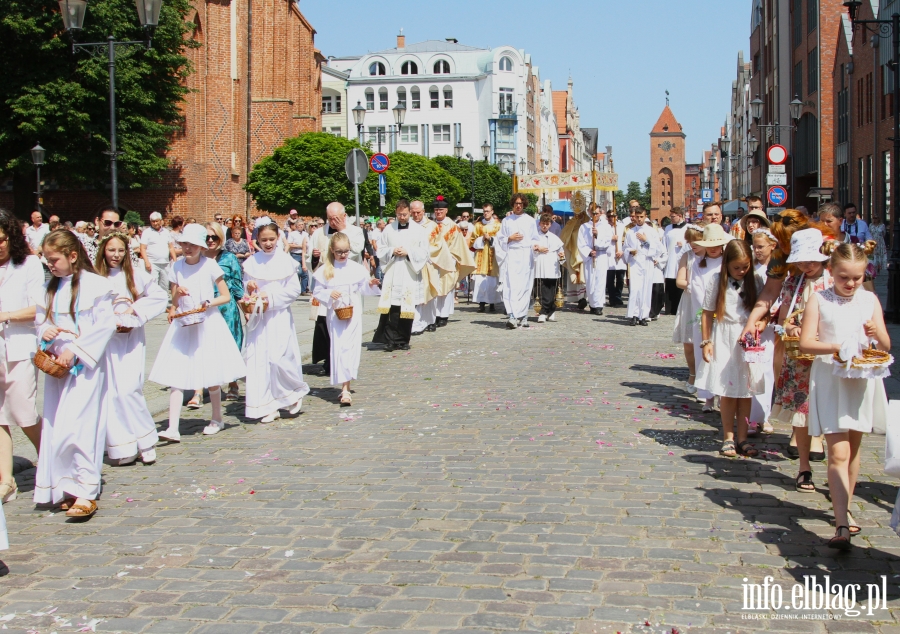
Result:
[[568, 181]]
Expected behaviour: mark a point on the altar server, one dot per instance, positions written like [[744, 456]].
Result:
[[518, 239], [594, 238], [547, 269], [642, 250]]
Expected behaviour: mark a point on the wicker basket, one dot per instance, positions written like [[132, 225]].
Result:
[[870, 357], [344, 312], [792, 344], [196, 311], [248, 304], [123, 300], [47, 363]]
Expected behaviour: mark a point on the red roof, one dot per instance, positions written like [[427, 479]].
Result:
[[667, 122]]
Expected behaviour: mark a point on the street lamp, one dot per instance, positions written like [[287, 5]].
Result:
[[472, 166], [359, 117], [37, 157], [753, 145], [756, 108], [485, 150], [725, 142], [73, 13], [883, 29], [458, 150], [522, 165], [796, 107]]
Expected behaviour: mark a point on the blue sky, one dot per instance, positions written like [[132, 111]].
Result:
[[622, 54]]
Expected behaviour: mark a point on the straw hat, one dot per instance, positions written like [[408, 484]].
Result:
[[194, 234], [805, 245], [713, 236], [755, 214]]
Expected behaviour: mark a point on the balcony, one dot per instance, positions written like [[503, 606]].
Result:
[[508, 111]]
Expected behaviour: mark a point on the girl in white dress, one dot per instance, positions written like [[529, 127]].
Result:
[[339, 283], [730, 296], [703, 269], [274, 365], [763, 243], [197, 349], [75, 322], [138, 300], [843, 319], [684, 318]]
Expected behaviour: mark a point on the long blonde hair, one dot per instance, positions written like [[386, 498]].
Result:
[[101, 266], [336, 239]]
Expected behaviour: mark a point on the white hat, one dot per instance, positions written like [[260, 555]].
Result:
[[805, 245], [713, 236], [156, 216], [194, 234]]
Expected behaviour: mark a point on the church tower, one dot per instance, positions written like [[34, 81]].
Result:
[[667, 165]]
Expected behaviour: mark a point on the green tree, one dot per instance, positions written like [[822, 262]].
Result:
[[492, 186], [48, 95], [420, 178], [307, 173], [633, 192]]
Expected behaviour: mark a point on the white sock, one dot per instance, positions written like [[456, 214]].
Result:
[[176, 397], [215, 399]]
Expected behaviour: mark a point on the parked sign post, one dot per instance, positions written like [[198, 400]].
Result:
[[357, 168]]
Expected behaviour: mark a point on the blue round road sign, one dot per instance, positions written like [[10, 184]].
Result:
[[777, 196], [379, 162]]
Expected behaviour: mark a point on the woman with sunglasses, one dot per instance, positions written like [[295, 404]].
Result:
[[237, 243]]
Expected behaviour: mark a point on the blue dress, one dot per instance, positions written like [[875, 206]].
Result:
[[235, 281]]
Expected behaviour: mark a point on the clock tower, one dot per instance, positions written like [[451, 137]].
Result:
[[666, 165]]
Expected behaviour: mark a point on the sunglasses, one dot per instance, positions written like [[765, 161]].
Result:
[[218, 218], [112, 223], [210, 238]]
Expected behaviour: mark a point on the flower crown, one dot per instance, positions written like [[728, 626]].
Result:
[[765, 232]]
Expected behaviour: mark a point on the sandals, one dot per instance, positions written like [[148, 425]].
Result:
[[727, 449], [746, 449], [767, 428], [233, 394], [854, 527], [80, 511], [8, 492], [346, 400], [194, 403], [817, 456], [840, 542], [66, 504], [804, 482]]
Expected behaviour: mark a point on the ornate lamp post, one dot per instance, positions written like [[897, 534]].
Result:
[[37, 157], [359, 117], [73, 13]]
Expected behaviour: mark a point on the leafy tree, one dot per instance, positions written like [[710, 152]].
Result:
[[492, 185], [633, 192], [420, 178], [48, 95], [307, 173], [132, 217]]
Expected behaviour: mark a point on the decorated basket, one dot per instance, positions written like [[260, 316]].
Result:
[[193, 316], [792, 344], [248, 304], [755, 351], [872, 364]]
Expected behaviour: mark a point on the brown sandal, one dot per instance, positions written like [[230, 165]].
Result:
[[66, 504], [81, 511]]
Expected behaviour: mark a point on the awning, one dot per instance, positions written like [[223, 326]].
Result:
[[731, 207]]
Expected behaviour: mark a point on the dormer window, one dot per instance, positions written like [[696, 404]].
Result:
[[377, 68], [506, 64], [442, 67], [409, 68]]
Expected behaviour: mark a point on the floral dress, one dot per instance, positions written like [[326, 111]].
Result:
[[237, 247], [234, 278], [790, 404], [880, 255]]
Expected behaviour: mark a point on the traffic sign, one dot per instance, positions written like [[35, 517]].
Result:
[[706, 195], [382, 184], [777, 169], [356, 166], [777, 154], [776, 179], [379, 162], [777, 196], [464, 205]]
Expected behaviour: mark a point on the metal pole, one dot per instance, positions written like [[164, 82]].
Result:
[[356, 189], [893, 299], [113, 168], [472, 163], [39, 188]]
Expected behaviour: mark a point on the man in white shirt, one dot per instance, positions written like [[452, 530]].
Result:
[[674, 241], [594, 239], [615, 275], [518, 238], [642, 248], [155, 251], [857, 230], [36, 232], [297, 242]]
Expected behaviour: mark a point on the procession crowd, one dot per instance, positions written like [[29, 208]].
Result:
[[775, 321]]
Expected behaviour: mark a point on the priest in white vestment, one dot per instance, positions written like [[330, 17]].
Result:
[[594, 239], [465, 263], [642, 248], [518, 240], [440, 263]]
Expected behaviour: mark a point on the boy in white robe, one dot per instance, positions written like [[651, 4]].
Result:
[[594, 238], [642, 248], [518, 240], [548, 254]]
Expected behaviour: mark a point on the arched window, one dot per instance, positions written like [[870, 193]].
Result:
[[370, 99], [382, 99], [377, 68], [414, 97], [401, 96], [442, 67], [448, 97], [506, 64], [409, 68], [666, 198]]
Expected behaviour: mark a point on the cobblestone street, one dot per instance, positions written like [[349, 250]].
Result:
[[552, 479]]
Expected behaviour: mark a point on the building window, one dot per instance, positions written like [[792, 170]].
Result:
[[870, 187], [861, 169], [843, 183], [382, 99], [336, 131], [756, 64], [376, 133], [886, 171], [798, 79], [414, 97], [377, 68], [869, 99], [441, 133], [843, 113], [370, 99], [796, 23], [442, 67], [409, 134], [401, 96], [506, 64], [806, 155], [812, 70], [435, 96], [331, 105], [506, 101], [506, 135], [812, 15], [448, 97], [409, 68]]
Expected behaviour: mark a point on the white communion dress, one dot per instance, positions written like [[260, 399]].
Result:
[[131, 428], [698, 278], [683, 331], [76, 406], [836, 404], [352, 280], [271, 351], [203, 354]]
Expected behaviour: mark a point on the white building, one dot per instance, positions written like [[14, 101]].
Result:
[[453, 94], [334, 101]]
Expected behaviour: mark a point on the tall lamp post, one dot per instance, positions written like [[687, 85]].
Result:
[[37, 157], [73, 12], [796, 107], [883, 29], [359, 117]]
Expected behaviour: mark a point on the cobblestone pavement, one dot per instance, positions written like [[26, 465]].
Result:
[[552, 479]]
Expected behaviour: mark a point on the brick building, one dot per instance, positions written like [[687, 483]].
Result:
[[217, 145], [667, 165]]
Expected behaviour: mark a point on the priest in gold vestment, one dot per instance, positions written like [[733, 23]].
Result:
[[487, 271], [465, 264], [440, 263]]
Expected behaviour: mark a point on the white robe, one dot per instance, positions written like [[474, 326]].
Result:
[[699, 278], [320, 240], [642, 268], [352, 280], [617, 244], [130, 427], [402, 283], [674, 241], [546, 265], [517, 274], [271, 351], [4, 538], [595, 268], [76, 407]]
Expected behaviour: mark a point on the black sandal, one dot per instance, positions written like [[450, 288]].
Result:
[[728, 449], [840, 542], [804, 482], [742, 448]]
